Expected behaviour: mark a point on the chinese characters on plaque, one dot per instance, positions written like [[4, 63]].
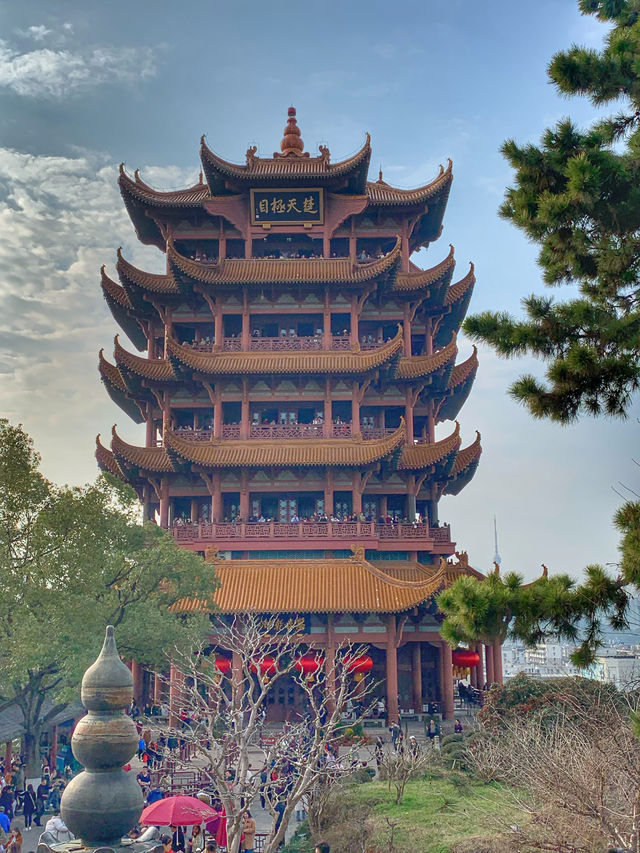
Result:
[[286, 207]]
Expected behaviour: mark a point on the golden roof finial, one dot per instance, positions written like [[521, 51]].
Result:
[[291, 141], [380, 180]]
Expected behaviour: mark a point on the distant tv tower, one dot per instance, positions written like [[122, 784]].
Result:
[[497, 559]]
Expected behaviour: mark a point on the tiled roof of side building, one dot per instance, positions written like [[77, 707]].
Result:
[[382, 194], [156, 369], [287, 362], [347, 452], [415, 366], [417, 279], [259, 271], [417, 456], [312, 586]]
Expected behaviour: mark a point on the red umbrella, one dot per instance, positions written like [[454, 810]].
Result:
[[177, 811]]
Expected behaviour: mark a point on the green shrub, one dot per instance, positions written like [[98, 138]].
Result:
[[457, 738]]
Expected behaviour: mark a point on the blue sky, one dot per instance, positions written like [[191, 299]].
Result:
[[85, 86]]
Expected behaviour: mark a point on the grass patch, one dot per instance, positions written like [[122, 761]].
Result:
[[437, 813]]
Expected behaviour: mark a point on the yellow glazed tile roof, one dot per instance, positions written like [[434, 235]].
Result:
[[255, 453], [297, 361], [113, 290], [189, 197], [285, 167], [313, 586], [381, 193], [110, 373], [415, 366], [417, 279], [467, 456], [150, 458], [155, 282], [418, 456], [156, 369], [462, 371], [257, 271], [458, 290]]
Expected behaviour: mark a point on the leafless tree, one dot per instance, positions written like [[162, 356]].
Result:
[[223, 718], [573, 771], [407, 761]]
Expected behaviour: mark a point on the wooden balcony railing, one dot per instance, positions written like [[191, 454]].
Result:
[[269, 432], [310, 530]]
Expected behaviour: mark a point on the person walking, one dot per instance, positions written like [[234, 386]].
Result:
[[249, 833], [28, 806], [5, 823]]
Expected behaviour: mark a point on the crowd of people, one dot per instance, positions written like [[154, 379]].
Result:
[[18, 796]]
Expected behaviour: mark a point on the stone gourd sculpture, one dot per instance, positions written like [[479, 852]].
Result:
[[103, 803]]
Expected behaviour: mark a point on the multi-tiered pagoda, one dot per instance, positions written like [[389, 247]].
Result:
[[294, 366]]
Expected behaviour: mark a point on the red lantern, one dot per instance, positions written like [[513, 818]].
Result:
[[359, 665], [309, 664], [267, 666], [222, 664], [465, 658]]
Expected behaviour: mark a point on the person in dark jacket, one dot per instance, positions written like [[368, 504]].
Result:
[[28, 806]]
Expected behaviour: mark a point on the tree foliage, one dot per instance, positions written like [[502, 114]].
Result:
[[577, 195], [497, 607], [71, 561]]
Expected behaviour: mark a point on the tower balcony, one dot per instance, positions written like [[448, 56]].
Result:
[[271, 432], [311, 535], [283, 343]]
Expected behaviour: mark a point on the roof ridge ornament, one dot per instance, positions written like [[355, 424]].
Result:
[[292, 144]]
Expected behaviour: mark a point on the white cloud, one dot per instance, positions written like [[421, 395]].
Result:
[[47, 73], [61, 219], [38, 33]]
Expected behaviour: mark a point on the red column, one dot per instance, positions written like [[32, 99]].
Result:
[[326, 322], [473, 676], [416, 676], [216, 497], [354, 321], [408, 418], [329, 663], [217, 412], [164, 503], [356, 499], [157, 688], [246, 331], [218, 328], [8, 753], [137, 673], [488, 650], [406, 331], [150, 434], [479, 669], [447, 681], [244, 497], [176, 679], [393, 710], [405, 247], [244, 416], [327, 428], [497, 663], [355, 408], [328, 492]]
